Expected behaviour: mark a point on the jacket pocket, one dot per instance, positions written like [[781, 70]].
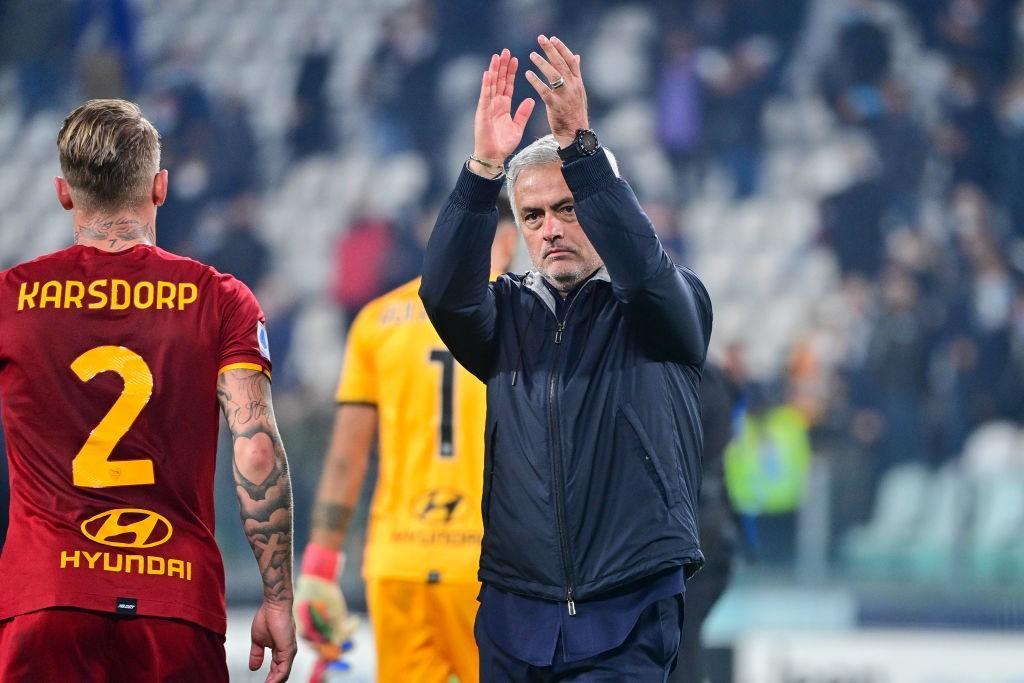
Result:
[[489, 440], [669, 494]]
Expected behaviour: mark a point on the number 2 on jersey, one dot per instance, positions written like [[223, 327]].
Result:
[[92, 467], [447, 362]]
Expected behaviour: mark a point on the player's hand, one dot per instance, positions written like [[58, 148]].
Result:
[[321, 612], [273, 627], [567, 104], [496, 132]]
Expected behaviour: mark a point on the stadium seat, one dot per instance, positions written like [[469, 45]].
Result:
[[872, 549], [935, 541], [994, 448], [996, 535]]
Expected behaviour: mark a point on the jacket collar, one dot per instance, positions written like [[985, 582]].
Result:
[[534, 281]]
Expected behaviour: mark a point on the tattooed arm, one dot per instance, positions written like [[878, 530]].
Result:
[[264, 493], [323, 615]]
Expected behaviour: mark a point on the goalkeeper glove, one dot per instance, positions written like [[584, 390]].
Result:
[[320, 610]]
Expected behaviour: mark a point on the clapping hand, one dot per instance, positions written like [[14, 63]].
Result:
[[496, 132], [563, 94]]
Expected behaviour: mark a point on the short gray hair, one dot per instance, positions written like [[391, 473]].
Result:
[[540, 152]]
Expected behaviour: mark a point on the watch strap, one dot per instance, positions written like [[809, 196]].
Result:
[[575, 149], [570, 153]]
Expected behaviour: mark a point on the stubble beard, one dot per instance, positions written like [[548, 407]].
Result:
[[566, 280]]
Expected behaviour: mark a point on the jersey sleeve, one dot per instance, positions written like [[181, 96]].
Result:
[[357, 383], [244, 343]]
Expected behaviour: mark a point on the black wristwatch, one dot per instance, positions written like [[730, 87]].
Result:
[[585, 144]]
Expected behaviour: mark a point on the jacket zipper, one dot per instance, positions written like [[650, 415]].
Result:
[[556, 468], [556, 473]]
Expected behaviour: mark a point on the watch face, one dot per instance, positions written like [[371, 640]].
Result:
[[587, 140]]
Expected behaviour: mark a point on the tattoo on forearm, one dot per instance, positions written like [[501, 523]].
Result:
[[117, 232], [267, 521], [331, 517], [264, 497], [249, 405]]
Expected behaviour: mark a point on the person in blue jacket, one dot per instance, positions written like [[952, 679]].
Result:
[[592, 362]]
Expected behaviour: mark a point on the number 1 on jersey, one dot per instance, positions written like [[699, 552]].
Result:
[[92, 468], [447, 362]]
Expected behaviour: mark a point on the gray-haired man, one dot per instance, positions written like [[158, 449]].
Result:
[[592, 363]]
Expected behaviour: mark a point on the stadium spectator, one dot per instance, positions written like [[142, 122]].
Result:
[[978, 33], [235, 156], [361, 257], [312, 128], [738, 90], [186, 112], [592, 362], [968, 131], [852, 221], [896, 370], [1010, 164], [990, 301], [106, 35], [241, 252], [953, 389], [468, 26], [1010, 385], [680, 101], [858, 68], [400, 82], [37, 40]]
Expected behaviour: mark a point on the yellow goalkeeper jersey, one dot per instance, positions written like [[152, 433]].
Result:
[[425, 517]]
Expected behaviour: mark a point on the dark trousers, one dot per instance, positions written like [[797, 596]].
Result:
[[647, 655], [702, 592]]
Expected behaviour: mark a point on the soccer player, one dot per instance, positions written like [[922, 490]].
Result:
[[423, 547], [113, 356]]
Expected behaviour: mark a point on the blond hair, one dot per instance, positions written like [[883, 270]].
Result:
[[109, 154]]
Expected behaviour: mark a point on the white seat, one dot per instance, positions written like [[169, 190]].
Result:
[[993, 448], [996, 533], [902, 494], [930, 552]]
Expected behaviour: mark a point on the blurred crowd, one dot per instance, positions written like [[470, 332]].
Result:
[[928, 238]]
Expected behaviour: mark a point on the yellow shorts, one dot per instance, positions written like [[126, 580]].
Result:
[[424, 631]]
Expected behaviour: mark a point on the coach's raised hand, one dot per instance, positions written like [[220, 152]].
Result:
[[563, 94], [496, 133]]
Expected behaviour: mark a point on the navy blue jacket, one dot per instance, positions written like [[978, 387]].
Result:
[[593, 437]]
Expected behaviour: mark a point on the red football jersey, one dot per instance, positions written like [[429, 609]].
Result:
[[108, 382]]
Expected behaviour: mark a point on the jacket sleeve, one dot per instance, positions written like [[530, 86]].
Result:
[[668, 303], [455, 289]]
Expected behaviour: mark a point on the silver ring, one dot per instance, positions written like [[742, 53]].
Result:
[[557, 84]]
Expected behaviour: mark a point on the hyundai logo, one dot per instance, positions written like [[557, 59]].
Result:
[[128, 528]]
